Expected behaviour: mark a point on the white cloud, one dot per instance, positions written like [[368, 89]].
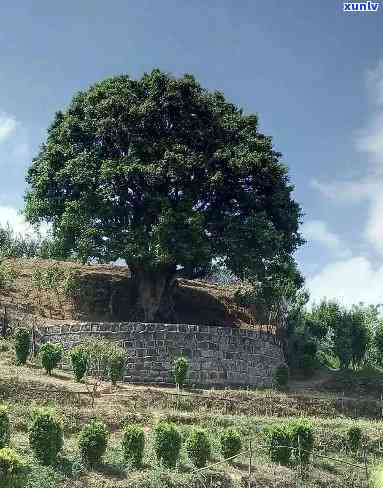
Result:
[[11, 216], [349, 281], [369, 188], [8, 126], [357, 278], [348, 191], [318, 231]]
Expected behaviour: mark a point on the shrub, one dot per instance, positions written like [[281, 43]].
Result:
[[167, 444], [230, 442], [5, 429], [116, 364], [22, 345], [281, 376], [12, 469], [93, 440], [7, 276], [79, 357], [198, 447], [279, 440], [302, 436], [181, 366], [133, 444], [46, 436], [354, 437], [51, 354]]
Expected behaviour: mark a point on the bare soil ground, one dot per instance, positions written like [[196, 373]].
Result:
[[107, 293]]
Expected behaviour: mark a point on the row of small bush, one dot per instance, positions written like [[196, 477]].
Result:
[[295, 440], [85, 357], [82, 357], [288, 439], [46, 441]]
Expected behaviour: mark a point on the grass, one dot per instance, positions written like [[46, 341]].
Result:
[[249, 412]]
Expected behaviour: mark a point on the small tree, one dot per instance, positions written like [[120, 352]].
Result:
[[79, 357], [117, 362], [302, 439], [133, 444], [354, 437], [281, 376], [279, 441], [230, 443], [167, 444], [46, 436], [198, 447], [12, 469], [93, 441], [5, 429], [22, 344], [181, 366], [50, 355]]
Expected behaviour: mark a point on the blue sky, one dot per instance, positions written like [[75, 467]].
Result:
[[312, 73]]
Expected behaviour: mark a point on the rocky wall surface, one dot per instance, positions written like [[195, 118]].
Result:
[[218, 356]]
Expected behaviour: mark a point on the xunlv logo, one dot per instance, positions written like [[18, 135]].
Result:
[[361, 6]]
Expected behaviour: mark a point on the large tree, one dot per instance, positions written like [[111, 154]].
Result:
[[166, 175]]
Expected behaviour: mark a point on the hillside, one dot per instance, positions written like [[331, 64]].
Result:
[[333, 464], [107, 293]]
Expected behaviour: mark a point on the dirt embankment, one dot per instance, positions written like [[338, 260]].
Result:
[[108, 293]]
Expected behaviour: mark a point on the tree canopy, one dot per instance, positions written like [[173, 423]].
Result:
[[164, 174]]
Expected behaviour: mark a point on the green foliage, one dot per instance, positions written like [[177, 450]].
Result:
[[230, 443], [133, 444], [378, 343], [79, 357], [157, 188], [71, 283], [117, 360], [5, 428], [279, 442], [93, 441], [167, 443], [198, 447], [46, 436], [12, 469], [7, 276], [302, 439], [4, 345], [348, 331], [181, 367], [22, 344], [50, 355], [354, 437], [281, 376]]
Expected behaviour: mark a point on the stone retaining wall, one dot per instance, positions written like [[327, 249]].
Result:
[[219, 356]]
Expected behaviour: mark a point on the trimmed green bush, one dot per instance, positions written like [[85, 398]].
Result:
[[133, 444], [22, 344], [354, 437], [46, 436], [5, 429], [279, 440], [281, 376], [167, 444], [302, 435], [230, 443], [93, 441], [12, 469], [79, 358], [198, 447], [50, 355], [181, 367], [117, 365]]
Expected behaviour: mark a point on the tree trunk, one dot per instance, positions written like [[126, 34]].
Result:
[[154, 290]]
